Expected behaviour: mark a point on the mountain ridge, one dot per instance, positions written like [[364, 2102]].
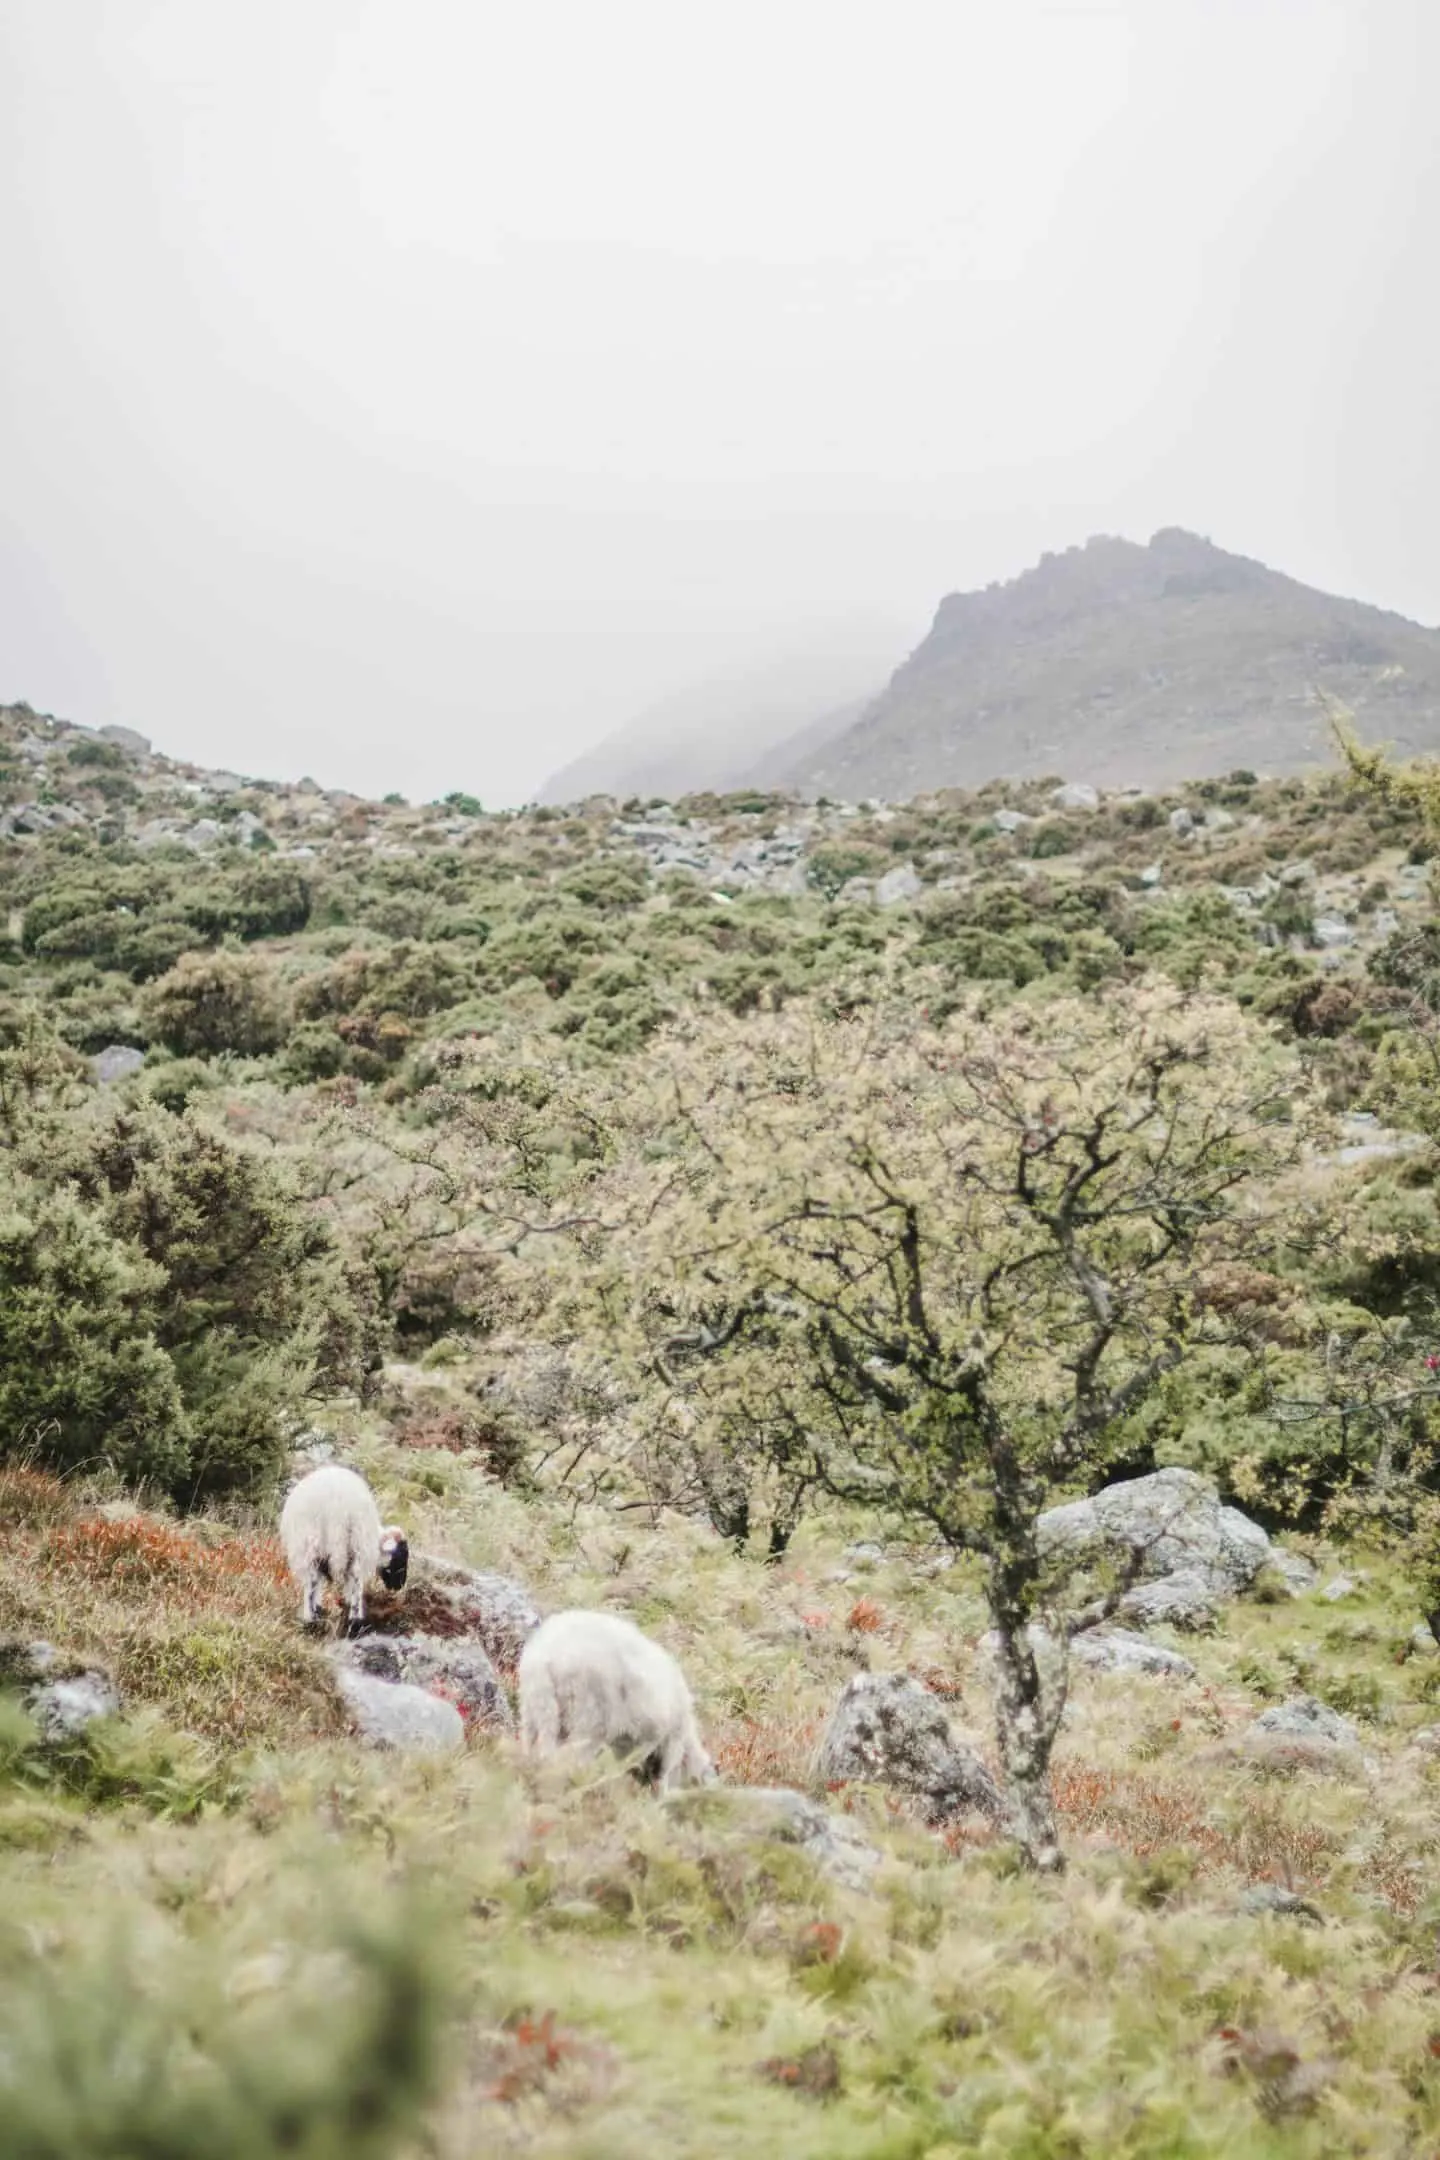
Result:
[[1128, 664]]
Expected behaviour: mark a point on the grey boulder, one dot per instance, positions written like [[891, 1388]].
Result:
[[833, 1843], [1305, 1717], [393, 1714], [886, 1729], [1169, 1525], [1114, 1650], [1183, 1600], [897, 886], [116, 1062], [494, 1610], [64, 1695], [456, 1670]]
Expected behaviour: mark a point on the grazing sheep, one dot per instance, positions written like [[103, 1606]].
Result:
[[593, 1679], [331, 1530]]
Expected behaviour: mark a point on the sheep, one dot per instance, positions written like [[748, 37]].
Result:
[[594, 1680], [331, 1530]]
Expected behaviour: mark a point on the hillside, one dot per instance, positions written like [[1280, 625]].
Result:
[[1124, 665], [651, 1201], [735, 729]]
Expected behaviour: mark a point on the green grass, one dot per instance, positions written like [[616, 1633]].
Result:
[[587, 1972], [622, 1975]]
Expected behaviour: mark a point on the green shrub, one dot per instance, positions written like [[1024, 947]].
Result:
[[97, 754], [410, 979], [552, 947], [167, 1303], [83, 1381], [605, 885], [117, 2052], [1291, 910], [313, 1052], [835, 862], [214, 1002], [1054, 837], [176, 1082], [259, 900]]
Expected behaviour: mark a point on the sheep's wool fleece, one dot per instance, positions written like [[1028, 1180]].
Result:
[[596, 1680], [331, 1519]]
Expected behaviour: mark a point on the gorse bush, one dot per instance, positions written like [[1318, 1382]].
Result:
[[213, 1002], [168, 1302], [140, 917], [83, 1380]]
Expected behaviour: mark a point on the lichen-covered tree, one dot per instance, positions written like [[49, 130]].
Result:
[[959, 1258]]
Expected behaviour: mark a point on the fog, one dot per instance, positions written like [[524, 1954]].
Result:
[[408, 394]]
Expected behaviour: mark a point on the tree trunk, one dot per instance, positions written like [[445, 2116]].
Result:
[[1027, 1710], [780, 1536], [729, 1514], [1025, 1723]]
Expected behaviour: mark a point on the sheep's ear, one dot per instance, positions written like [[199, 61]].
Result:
[[394, 1559]]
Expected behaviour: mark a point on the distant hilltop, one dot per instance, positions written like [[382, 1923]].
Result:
[[1131, 666], [1120, 664]]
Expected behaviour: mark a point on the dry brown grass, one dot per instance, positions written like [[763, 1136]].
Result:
[[1146, 1816], [204, 1629], [754, 1751]]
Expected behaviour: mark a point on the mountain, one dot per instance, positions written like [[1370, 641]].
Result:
[[1123, 664], [735, 729]]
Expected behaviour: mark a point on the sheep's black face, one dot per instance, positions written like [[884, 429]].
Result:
[[394, 1560]]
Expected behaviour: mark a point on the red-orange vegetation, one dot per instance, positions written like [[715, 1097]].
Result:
[[147, 1554], [940, 1682], [751, 1752], [1145, 1816], [33, 1497], [820, 1943], [531, 2054], [865, 1617]]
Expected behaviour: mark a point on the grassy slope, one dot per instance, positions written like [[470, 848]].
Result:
[[960, 2008]]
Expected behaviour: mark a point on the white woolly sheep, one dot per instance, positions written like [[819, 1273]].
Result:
[[331, 1530], [593, 1680]]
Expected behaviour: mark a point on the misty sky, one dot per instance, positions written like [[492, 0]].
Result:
[[408, 391]]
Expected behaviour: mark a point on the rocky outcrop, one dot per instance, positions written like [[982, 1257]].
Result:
[[117, 1061], [1114, 663], [831, 1841], [1303, 1733], [887, 1729], [1305, 1717], [444, 1597], [1174, 1530], [1186, 1599], [393, 1714], [1113, 1650], [457, 1671], [63, 1694]]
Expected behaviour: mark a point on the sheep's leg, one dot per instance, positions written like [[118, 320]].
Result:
[[542, 1726], [670, 1757], [310, 1602]]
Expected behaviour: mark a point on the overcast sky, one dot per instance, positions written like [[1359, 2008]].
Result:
[[408, 391]]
